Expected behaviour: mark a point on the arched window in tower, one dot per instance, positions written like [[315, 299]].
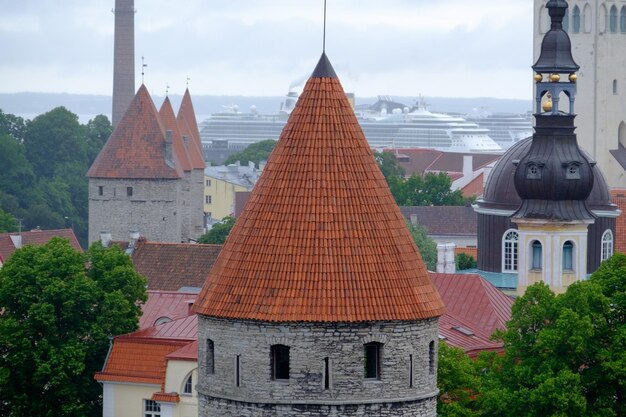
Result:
[[566, 21], [603, 17], [431, 357], [568, 256], [188, 385], [537, 255], [587, 18], [613, 19], [607, 245], [372, 360], [509, 250], [210, 357], [614, 86], [279, 356], [576, 19]]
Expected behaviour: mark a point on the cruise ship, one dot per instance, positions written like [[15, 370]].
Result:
[[386, 125], [504, 128]]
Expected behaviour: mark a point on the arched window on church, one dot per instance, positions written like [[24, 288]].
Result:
[[613, 19], [587, 18], [622, 20], [510, 241], [568, 256], [607, 245], [537, 255], [566, 21], [576, 19]]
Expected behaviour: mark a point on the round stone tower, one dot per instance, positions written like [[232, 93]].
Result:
[[319, 303]]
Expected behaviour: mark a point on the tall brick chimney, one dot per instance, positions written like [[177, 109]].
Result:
[[123, 58]]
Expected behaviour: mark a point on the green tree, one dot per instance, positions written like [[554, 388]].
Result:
[[97, 132], [16, 176], [565, 354], [59, 308], [8, 223], [458, 380], [219, 232], [54, 138], [464, 261], [388, 164], [256, 152], [12, 125], [426, 246]]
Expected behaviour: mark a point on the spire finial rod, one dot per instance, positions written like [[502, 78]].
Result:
[[188, 79], [143, 65], [167, 88], [324, 36]]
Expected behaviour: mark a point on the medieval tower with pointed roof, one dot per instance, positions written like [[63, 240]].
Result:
[[319, 304], [148, 177]]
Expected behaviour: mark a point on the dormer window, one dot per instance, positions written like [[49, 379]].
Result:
[[533, 171], [572, 170]]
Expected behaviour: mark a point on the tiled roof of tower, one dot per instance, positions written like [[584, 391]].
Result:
[[189, 127], [321, 238], [136, 149], [168, 119]]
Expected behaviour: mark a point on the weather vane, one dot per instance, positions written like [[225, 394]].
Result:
[[324, 37], [143, 65], [167, 88], [188, 79]]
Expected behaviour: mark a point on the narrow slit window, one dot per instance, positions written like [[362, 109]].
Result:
[[210, 357], [238, 370], [129, 191], [410, 371], [431, 357], [326, 373], [100, 190]]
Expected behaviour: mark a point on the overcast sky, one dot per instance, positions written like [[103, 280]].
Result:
[[449, 48]]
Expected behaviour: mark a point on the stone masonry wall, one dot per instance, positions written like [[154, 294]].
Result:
[[350, 393], [196, 206], [154, 209]]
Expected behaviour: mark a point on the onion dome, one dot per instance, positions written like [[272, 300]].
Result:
[[321, 238], [500, 193], [138, 147]]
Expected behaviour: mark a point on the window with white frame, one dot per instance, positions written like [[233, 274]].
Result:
[[510, 242], [568, 256], [188, 387], [607, 245], [537, 255], [151, 408]]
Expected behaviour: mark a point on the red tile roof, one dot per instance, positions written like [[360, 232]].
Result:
[[444, 220], [189, 127], [136, 148], [171, 304], [419, 161], [165, 397], [138, 360], [34, 237], [186, 353], [475, 187], [168, 119], [474, 304], [321, 238], [171, 266]]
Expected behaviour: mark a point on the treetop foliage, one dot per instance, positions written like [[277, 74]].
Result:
[[60, 307], [219, 232], [256, 153]]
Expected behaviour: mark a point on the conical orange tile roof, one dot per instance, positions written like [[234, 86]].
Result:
[[168, 120], [321, 239], [136, 148], [189, 127]]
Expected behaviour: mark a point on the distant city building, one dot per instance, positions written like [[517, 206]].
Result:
[[148, 177], [221, 185], [596, 29]]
